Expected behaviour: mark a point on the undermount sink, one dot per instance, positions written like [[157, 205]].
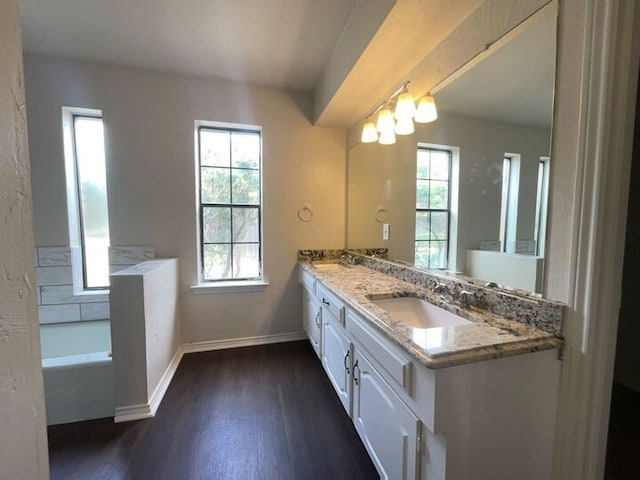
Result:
[[328, 266], [418, 313]]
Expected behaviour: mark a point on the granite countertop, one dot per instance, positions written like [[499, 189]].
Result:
[[487, 336]]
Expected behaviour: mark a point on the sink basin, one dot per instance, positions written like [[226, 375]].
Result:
[[327, 266], [418, 313]]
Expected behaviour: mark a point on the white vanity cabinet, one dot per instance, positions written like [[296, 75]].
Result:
[[483, 419], [312, 320], [387, 427], [337, 355]]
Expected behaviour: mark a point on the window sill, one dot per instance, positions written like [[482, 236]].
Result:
[[229, 287]]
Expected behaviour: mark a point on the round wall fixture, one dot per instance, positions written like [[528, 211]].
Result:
[[305, 214], [382, 214]]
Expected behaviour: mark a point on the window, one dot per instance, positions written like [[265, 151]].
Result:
[[542, 195], [87, 196], [509, 202], [504, 202], [433, 185], [229, 202]]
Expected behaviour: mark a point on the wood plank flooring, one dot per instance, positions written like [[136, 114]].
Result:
[[264, 412]]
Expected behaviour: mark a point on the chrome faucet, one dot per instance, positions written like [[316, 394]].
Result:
[[465, 298], [348, 259]]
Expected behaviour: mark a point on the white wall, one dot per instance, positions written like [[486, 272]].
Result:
[[149, 134], [23, 443], [385, 175]]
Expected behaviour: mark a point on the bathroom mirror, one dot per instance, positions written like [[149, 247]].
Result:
[[467, 193]]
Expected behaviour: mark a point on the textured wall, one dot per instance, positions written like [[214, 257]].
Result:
[[23, 443]]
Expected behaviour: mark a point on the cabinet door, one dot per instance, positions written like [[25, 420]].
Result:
[[336, 357], [312, 320], [388, 429]]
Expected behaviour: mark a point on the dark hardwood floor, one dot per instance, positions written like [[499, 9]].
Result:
[[623, 441], [264, 412]]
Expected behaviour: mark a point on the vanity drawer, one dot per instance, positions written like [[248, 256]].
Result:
[[396, 365], [330, 302], [307, 280]]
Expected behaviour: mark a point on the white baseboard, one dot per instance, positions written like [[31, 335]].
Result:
[[242, 342], [163, 384], [132, 412], [148, 410]]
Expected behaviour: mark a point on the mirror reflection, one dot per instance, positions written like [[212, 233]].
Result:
[[467, 193]]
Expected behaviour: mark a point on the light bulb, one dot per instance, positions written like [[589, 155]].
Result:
[[405, 106], [426, 111], [387, 137], [385, 120], [369, 132], [404, 126]]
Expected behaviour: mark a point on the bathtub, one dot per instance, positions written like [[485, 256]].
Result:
[[77, 371]]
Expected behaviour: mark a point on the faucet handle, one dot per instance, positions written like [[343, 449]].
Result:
[[441, 288], [465, 298]]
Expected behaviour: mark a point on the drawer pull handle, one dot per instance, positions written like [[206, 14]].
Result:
[[345, 362], [318, 319], [325, 301], [356, 376]]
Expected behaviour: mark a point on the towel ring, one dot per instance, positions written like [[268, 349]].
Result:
[[305, 214], [382, 214]]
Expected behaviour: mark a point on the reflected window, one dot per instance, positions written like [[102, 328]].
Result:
[[542, 198], [509, 203], [230, 207], [433, 198], [504, 203]]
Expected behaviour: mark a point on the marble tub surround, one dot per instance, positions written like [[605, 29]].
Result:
[[58, 300], [487, 336]]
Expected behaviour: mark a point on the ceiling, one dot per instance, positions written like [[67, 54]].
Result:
[[513, 82], [348, 54], [276, 43]]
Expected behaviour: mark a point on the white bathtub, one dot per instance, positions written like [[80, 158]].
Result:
[[77, 371]]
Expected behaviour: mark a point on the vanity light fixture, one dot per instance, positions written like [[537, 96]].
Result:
[[404, 110], [404, 126], [369, 132], [405, 105], [385, 120], [426, 111], [387, 137]]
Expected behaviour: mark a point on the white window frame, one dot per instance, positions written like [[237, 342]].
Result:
[[73, 200], [454, 186], [231, 285]]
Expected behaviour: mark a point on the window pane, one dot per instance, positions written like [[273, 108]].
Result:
[[246, 227], [92, 179], [438, 194], [423, 220], [217, 261], [215, 148], [245, 150], [216, 224], [422, 194], [439, 165], [246, 186], [215, 185], [437, 254], [423, 164], [422, 254], [439, 225], [246, 260]]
